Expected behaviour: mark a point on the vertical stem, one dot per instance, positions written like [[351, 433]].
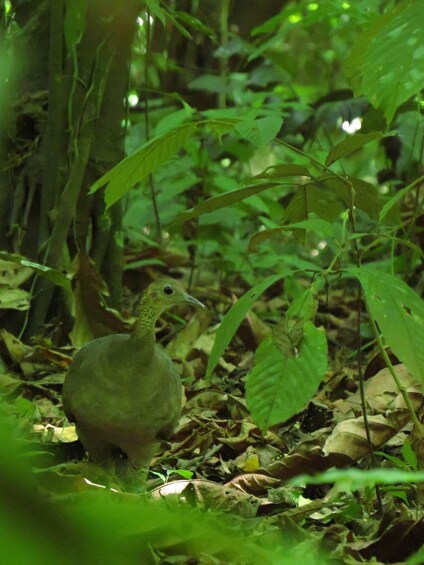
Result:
[[67, 203], [357, 255], [147, 125], [419, 427], [53, 142], [363, 400], [223, 61]]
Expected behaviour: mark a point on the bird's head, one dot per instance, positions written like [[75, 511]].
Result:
[[166, 293]]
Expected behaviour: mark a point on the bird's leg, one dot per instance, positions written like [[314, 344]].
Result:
[[100, 451]]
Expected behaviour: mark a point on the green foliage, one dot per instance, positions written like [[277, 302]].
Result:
[[235, 316], [74, 22], [280, 384], [259, 132], [399, 313], [102, 526], [143, 162], [276, 185], [350, 480], [289, 366], [53, 275], [349, 145], [397, 198], [387, 61], [150, 157], [157, 151]]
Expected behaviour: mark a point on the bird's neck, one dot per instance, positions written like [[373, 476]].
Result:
[[144, 330]]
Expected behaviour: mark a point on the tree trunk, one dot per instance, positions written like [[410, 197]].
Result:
[[69, 111]]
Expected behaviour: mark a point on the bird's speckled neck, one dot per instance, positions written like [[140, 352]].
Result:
[[145, 326]]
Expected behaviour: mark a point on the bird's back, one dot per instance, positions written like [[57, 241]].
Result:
[[114, 391]]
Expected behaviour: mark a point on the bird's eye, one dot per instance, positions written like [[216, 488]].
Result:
[[168, 290]]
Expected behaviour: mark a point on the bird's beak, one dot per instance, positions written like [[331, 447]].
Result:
[[191, 300]]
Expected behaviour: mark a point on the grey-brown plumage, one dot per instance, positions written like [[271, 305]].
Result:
[[122, 391]]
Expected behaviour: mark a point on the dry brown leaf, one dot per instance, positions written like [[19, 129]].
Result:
[[185, 341], [209, 495], [349, 436], [400, 540], [92, 318]]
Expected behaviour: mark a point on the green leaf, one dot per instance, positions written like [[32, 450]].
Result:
[[399, 313], [74, 22], [185, 473], [195, 23], [317, 199], [279, 386], [209, 83], [409, 455], [142, 162], [354, 479], [261, 131], [52, 275], [137, 166], [235, 316], [387, 61], [156, 10], [349, 145], [366, 197], [14, 299], [397, 198], [283, 171], [221, 126], [221, 201], [417, 558], [174, 119], [224, 200], [312, 224]]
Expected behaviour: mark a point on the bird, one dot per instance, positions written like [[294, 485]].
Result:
[[122, 391]]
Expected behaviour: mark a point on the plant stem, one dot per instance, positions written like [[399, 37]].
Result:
[[147, 126], [223, 61], [399, 384]]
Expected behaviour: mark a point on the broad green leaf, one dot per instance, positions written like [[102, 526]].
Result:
[[209, 83], [365, 195], [409, 455], [137, 166], [397, 198], [261, 131], [399, 313], [52, 275], [234, 317], [312, 224], [317, 199], [349, 145], [221, 201], [221, 126], [142, 162], [288, 333], [279, 386], [183, 473], [156, 10], [74, 22], [195, 23], [174, 119], [386, 63], [417, 558], [283, 171], [305, 305], [14, 299]]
